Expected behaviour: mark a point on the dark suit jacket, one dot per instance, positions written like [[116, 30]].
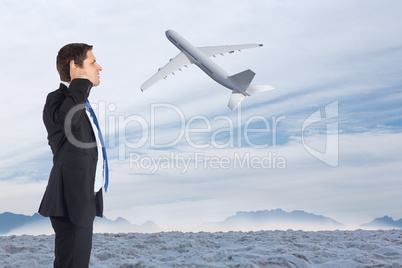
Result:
[[70, 189]]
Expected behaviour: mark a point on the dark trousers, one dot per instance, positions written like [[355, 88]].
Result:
[[72, 244]]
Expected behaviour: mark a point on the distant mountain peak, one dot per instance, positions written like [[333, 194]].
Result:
[[385, 222], [279, 214], [272, 220], [11, 223]]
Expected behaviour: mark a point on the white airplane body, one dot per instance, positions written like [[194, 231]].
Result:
[[238, 83]]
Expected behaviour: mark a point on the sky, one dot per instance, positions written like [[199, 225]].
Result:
[[327, 140]]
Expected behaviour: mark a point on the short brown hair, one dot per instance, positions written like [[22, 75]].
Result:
[[74, 51]]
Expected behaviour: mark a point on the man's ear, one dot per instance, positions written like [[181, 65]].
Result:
[[73, 65]]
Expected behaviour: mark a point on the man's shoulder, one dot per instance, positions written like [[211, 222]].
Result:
[[57, 94]]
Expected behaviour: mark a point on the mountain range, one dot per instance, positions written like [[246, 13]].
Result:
[[277, 219], [36, 224], [383, 223]]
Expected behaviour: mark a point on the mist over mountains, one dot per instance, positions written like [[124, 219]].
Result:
[[36, 224], [383, 223], [277, 219], [10, 221]]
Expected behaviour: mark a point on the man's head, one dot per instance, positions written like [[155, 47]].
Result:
[[77, 56]]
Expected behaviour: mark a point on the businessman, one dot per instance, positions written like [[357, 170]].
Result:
[[70, 199]]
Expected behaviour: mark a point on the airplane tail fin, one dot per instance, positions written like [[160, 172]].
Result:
[[243, 78], [252, 89]]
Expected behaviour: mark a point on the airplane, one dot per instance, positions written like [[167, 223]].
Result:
[[200, 56]]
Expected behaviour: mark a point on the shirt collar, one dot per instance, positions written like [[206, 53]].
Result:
[[67, 84]]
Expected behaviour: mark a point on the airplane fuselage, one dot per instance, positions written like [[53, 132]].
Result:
[[203, 62], [239, 83]]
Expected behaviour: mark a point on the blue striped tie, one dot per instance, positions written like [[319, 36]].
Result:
[[105, 165]]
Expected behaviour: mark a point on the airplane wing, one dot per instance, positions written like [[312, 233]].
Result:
[[215, 50], [174, 64]]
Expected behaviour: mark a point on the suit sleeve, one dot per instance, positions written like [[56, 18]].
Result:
[[77, 95]]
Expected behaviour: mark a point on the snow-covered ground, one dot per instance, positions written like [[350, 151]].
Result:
[[233, 249]]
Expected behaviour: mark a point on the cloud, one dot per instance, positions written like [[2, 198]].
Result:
[[314, 53], [169, 195]]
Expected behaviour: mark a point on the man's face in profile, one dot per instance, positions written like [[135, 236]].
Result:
[[92, 68]]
